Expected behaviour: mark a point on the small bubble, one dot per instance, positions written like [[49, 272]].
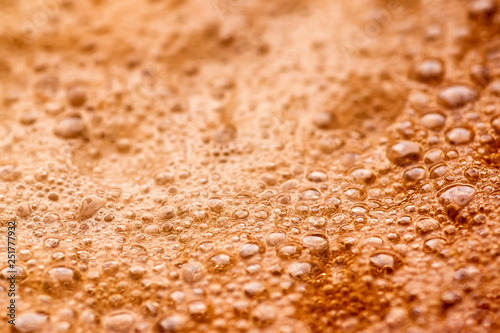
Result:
[[384, 263], [363, 176], [71, 127], [456, 96], [90, 205], [456, 197], [426, 225], [429, 71], [310, 194], [120, 322], [433, 120], [317, 176], [413, 175], [459, 135], [220, 263], [404, 153]]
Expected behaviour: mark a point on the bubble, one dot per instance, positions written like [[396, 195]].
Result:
[[120, 322], [325, 120], [450, 298], [163, 178], [77, 94], [434, 245], [472, 174], [23, 210], [482, 10], [110, 267], [412, 176], [199, 311], [480, 75], [264, 314], [19, 272], [433, 156], [404, 153], [310, 194], [70, 127], [220, 263], [459, 135], [172, 324], [363, 176], [300, 270], [355, 194], [192, 272], [216, 204], [495, 123], [32, 322], [90, 205], [10, 173], [455, 197], [317, 244], [255, 290], [317, 176], [433, 120], [275, 238], [289, 251], [467, 274], [241, 214], [47, 87], [249, 250], [28, 118], [426, 225], [166, 213], [429, 71], [456, 96], [439, 170], [136, 272], [61, 281], [123, 145], [384, 263], [333, 202]]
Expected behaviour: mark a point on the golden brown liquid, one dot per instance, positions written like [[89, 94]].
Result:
[[251, 166]]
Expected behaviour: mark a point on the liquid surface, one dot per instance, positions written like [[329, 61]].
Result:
[[251, 166]]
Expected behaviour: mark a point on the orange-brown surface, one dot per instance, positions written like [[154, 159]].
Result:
[[250, 165]]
